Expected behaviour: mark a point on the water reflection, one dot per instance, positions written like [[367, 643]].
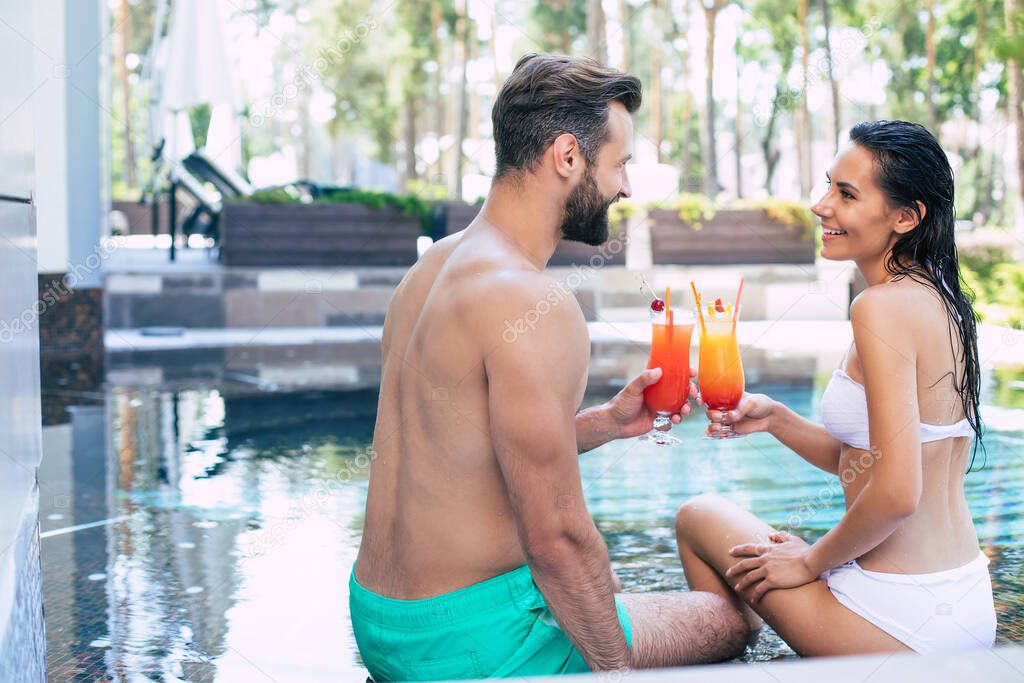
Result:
[[224, 490]]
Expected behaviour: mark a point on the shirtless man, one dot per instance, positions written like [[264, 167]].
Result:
[[479, 557]]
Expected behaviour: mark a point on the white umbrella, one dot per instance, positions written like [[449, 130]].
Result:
[[197, 71], [223, 139]]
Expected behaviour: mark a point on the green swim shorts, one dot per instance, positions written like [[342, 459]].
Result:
[[497, 628]]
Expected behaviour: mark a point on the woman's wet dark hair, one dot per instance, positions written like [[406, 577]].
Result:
[[911, 168]]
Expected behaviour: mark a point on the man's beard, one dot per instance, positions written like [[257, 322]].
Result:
[[585, 218]]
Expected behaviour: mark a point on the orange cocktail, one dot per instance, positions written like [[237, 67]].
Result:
[[720, 369]]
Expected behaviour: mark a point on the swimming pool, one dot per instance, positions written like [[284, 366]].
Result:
[[201, 513]]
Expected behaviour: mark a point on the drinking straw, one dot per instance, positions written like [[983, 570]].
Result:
[[668, 313], [700, 311], [736, 308], [644, 283]]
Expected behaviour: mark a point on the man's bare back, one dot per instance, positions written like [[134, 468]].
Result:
[[438, 516], [476, 524]]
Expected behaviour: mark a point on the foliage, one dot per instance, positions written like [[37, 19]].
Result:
[[793, 215], [270, 195], [382, 62], [426, 190], [1006, 387], [407, 205], [693, 208], [559, 23], [998, 284], [619, 215], [353, 56], [199, 120]]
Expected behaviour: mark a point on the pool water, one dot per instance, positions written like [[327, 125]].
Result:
[[199, 524]]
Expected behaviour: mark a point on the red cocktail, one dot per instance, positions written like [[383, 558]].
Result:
[[671, 332]]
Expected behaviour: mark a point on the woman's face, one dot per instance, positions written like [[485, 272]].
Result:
[[856, 220]]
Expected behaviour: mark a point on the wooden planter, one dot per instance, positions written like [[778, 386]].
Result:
[[140, 216], [732, 236], [568, 253], [255, 234]]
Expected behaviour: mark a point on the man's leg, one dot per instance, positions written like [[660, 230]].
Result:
[[673, 629]]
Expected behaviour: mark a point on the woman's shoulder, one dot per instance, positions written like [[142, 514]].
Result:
[[903, 300]]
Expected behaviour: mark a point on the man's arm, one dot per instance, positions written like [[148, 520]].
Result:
[[534, 383], [625, 415], [594, 428]]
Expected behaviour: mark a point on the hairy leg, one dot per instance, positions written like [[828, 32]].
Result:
[[616, 582], [673, 629], [809, 617]]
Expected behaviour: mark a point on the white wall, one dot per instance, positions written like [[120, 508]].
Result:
[[51, 141], [71, 121], [21, 626]]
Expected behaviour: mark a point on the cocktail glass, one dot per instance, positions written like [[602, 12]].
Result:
[[720, 369], [671, 333]]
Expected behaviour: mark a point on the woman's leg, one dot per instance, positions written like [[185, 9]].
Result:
[[808, 618]]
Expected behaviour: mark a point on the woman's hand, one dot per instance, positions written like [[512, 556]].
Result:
[[627, 411], [753, 414], [780, 564]]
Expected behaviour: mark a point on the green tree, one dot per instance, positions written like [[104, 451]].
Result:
[[558, 23], [776, 53], [711, 10], [358, 69]]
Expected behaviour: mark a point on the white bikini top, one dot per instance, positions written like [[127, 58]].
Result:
[[844, 410]]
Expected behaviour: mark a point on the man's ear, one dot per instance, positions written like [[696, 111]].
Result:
[[907, 220], [565, 151]]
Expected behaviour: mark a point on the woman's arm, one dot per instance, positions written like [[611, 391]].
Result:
[[889, 360], [888, 357], [760, 413]]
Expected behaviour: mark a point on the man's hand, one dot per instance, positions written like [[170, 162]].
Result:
[[628, 413]]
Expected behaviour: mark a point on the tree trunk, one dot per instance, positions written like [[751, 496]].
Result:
[[1016, 91], [979, 208], [803, 127], [932, 95], [461, 58], [440, 101], [494, 53], [738, 128], [687, 113], [656, 96], [711, 161], [837, 122], [124, 40], [410, 133], [771, 157], [625, 23], [597, 44]]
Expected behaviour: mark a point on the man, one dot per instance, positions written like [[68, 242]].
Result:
[[479, 558]]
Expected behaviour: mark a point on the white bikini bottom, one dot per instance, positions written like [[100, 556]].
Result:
[[934, 612]]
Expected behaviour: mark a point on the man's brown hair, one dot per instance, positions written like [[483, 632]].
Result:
[[548, 95]]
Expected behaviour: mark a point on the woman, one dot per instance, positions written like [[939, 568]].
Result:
[[902, 569]]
